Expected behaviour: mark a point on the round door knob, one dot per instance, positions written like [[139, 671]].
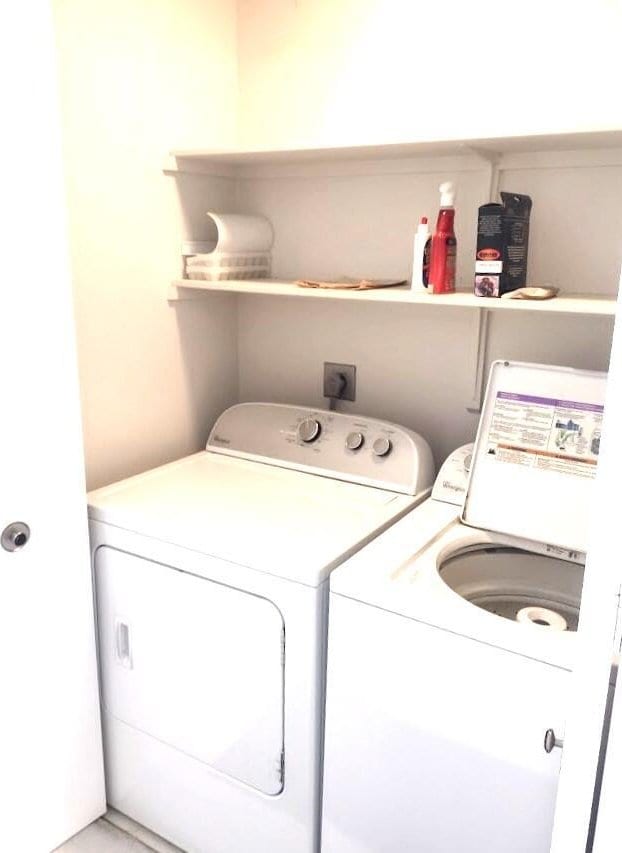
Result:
[[355, 440], [15, 536], [309, 430], [551, 741], [382, 446]]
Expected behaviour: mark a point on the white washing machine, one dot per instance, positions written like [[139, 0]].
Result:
[[212, 592], [451, 636]]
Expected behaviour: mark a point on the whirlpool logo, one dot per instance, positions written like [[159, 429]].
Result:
[[218, 439]]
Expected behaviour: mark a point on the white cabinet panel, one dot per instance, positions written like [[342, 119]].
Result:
[[195, 664], [433, 741]]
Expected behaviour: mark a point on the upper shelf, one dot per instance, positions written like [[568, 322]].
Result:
[[596, 305], [490, 148]]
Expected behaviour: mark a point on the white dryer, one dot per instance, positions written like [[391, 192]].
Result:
[[452, 635], [212, 592]]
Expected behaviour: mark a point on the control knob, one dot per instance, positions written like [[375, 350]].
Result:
[[382, 446], [355, 440], [309, 430]]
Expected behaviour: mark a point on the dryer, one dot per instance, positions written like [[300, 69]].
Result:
[[211, 577], [452, 635]]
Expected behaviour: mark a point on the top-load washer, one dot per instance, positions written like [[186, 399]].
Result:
[[452, 635], [211, 583]]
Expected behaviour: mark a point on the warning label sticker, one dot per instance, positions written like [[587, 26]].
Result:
[[540, 432]]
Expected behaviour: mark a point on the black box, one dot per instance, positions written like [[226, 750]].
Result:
[[502, 243]]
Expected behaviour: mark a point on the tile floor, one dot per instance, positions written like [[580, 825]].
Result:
[[108, 835], [103, 837]]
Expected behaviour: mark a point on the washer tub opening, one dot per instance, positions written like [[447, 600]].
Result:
[[516, 584]]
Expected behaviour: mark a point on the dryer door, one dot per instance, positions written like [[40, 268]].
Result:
[[193, 663]]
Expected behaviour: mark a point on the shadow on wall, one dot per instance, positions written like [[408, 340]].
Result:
[[207, 330]]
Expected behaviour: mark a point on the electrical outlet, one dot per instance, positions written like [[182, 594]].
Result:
[[340, 381]]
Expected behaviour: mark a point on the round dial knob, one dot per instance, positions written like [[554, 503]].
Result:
[[381, 446], [309, 430], [355, 440]]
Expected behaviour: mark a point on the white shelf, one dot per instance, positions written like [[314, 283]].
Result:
[[587, 304], [405, 150]]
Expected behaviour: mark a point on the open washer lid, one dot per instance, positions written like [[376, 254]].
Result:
[[535, 455]]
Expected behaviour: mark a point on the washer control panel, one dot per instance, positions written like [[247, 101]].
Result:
[[451, 484], [346, 447]]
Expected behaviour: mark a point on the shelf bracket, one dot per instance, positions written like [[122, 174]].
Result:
[[479, 366]]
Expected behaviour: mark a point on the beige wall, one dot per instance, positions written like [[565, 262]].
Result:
[[354, 71], [136, 79]]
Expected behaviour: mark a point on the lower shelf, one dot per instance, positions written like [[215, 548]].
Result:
[[594, 304]]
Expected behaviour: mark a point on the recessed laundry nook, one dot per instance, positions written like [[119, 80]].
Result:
[[309, 517]]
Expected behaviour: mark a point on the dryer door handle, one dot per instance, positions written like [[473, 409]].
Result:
[[122, 643]]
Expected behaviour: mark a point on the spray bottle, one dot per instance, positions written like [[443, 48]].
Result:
[[442, 277]]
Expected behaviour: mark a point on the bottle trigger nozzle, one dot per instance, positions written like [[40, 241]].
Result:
[[448, 194]]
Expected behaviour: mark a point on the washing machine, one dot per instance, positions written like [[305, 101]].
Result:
[[452, 636], [211, 577]]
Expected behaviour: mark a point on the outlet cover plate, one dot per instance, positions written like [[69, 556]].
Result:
[[331, 369]]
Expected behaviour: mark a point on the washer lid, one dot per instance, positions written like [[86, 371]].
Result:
[[535, 455]]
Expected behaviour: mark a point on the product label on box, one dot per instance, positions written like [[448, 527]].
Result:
[[487, 285], [488, 266], [545, 433]]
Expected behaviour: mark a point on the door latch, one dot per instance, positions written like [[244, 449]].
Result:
[[15, 536], [551, 741]]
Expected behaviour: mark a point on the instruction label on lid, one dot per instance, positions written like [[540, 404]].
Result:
[[545, 433]]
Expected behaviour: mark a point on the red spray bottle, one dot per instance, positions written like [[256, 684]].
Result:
[[442, 276]]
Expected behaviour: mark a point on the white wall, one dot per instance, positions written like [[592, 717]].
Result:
[[348, 71], [136, 79], [414, 367], [328, 222]]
